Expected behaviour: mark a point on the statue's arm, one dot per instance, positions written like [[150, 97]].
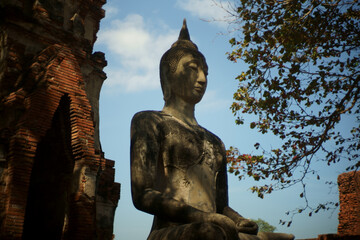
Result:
[[222, 197], [222, 202]]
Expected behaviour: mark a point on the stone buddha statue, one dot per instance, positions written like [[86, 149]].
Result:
[[178, 168]]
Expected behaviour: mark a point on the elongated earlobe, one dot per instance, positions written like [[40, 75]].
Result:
[[166, 90]]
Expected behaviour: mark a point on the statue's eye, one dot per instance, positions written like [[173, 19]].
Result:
[[193, 66]]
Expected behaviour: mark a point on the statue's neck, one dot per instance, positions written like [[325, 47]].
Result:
[[181, 110]]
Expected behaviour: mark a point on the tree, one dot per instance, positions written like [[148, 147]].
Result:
[[302, 79], [264, 226]]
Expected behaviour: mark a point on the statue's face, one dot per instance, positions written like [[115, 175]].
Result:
[[190, 79]]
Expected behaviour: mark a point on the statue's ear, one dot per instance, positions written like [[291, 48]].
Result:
[[165, 82], [166, 88]]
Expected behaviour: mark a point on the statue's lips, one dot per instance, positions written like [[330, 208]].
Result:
[[199, 89]]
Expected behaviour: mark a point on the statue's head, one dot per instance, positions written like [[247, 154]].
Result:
[[182, 48]]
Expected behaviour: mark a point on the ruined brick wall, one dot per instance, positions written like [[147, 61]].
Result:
[[349, 194], [54, 180]]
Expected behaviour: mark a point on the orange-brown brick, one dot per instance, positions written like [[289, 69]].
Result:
[[349, 194], [43, 59]]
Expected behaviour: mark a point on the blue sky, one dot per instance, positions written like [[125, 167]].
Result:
[[134, 35]]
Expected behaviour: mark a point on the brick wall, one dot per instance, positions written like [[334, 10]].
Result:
[[349, 194], [50, 82]]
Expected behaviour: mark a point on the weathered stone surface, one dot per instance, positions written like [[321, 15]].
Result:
[[53, 175], [178, 168]]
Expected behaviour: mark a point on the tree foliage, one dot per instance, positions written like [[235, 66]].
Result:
[[264, 226], [302, 80]]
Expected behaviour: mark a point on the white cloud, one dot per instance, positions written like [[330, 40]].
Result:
[[134, 49], [208, 10]]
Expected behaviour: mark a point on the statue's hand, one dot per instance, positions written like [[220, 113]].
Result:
[[247, 226], [225, 223]]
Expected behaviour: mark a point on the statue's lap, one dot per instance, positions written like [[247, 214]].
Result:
[[194, 231]]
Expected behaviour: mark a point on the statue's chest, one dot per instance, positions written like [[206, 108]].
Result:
[[184, 146]]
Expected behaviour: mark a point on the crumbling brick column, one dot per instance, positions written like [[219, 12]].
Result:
[[54, 180], [349, 194]]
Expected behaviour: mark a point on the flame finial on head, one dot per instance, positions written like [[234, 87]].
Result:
[[184, 39], [184, 32]]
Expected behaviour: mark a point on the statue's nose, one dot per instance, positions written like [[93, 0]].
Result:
[[201, 78]]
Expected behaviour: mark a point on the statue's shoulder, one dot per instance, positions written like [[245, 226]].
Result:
[[147, 115], [147, 118]]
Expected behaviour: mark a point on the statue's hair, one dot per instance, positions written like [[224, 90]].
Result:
[[171, 57]]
